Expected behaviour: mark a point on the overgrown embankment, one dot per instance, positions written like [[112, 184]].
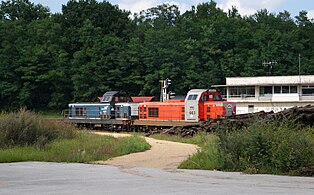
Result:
[[277, 147], [27, 136], [276, 143]]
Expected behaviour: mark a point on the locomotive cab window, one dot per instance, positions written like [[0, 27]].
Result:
[[192, 97], [217, 97], [153, 112], [106, 98], [80, 111], [204, 98]]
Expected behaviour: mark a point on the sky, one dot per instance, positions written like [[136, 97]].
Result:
[[245, 7]]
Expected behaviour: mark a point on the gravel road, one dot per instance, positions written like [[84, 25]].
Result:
[[163, 154]]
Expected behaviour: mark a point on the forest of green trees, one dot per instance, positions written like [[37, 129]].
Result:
[[48, 60]]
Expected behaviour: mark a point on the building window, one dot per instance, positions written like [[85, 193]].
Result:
[[293, 89], [277, 89], [153, 112], [285, 89], [265, 90], [251, 108], [242, 91], [307, 90]]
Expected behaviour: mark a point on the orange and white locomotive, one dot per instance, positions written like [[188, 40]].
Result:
[[199, 105]]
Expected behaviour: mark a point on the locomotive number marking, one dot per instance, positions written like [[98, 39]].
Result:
[[192, 112]]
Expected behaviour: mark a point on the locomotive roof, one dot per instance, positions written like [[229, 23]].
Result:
[[179, 97], [198, 91], [139, 99], [88, 104], [109, 96], [111, 93]]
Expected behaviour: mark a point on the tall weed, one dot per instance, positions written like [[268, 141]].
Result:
[[24, 128], [276, 147]]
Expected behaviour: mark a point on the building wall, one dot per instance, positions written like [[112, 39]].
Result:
[[270, 102], [243, 107]]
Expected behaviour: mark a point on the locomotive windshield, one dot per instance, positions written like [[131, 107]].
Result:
[[192, 97], [217, 97], [106, 98]]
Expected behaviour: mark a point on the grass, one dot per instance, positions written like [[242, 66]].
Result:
[[206, 159], [52, 114], [28, 136], [84, 148], [200, 139], [2, 114]]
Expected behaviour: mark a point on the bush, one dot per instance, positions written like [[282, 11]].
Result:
[[277, 147], [25, 128]]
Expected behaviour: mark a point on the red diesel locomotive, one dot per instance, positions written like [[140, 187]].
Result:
[[199, 105]]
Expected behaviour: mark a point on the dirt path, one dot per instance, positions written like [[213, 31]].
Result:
[[163, 154]]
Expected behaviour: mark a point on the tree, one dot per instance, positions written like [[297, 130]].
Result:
[[48, 60], [96, 66], [9, 80], [22, 10]]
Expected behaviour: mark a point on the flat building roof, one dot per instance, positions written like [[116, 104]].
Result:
[[270, 80]]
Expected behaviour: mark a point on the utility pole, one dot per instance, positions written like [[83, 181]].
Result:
[[300, 68], [299, 64]]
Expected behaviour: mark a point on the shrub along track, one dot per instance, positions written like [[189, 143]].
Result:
[[163, 154]]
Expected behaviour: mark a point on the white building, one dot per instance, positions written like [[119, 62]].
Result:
[[269, 93]]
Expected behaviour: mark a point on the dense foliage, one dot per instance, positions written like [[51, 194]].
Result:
[[48, 60]]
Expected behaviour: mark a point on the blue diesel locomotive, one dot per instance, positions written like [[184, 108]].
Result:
[[114, 111]]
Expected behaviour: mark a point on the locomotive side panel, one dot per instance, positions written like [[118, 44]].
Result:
[[219, 109], [214, 110], [161, 111]]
